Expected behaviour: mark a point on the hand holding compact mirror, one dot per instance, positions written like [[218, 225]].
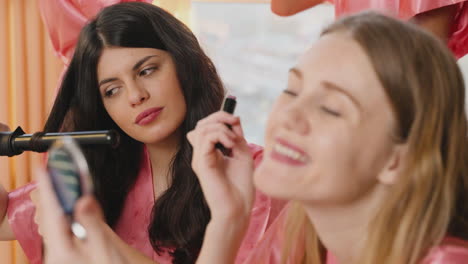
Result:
[[70, 178]]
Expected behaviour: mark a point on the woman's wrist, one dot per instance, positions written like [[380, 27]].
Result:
[[230, 231], [231, 215], [222, 240], [234, 223]]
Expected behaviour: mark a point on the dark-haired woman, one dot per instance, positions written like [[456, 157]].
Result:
[[140, 71]]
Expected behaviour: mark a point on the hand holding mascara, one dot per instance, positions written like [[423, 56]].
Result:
[[229, 106]]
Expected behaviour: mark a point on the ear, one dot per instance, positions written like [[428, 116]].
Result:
[[394, 166]]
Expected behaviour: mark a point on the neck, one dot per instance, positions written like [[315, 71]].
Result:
[[161, 155], [343, 228]]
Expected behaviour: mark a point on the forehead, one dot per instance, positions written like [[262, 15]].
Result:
[[339, 59], [117, 58]]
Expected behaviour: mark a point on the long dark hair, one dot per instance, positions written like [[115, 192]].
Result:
[[181, 214]]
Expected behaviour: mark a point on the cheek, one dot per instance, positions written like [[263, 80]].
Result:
[[273, 122], [168, 90], [346, 174], [177, 103], [180, 99], [182, 112], [268, 134], [114, 110], [271, 180], [331, 169], [176, 108], [337, 156], [373, 144]]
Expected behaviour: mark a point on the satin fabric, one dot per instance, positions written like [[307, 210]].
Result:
[[406, 9], [133, 223], [64, 20], [451, 251], [20, 214], [269, 249], [403, 9]]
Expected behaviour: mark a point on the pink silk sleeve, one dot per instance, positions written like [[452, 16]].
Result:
[[403, 9], [21, 212], [451, 251], [458, 42], [269, 249], [64, 20], [406, 9]]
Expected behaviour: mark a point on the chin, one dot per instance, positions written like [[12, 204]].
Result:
[[268, 184], [156, 135]]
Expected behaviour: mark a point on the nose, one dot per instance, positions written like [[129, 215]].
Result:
[[137, 94], [294, 118]]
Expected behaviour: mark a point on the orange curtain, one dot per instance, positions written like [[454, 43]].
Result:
[[29, 73]]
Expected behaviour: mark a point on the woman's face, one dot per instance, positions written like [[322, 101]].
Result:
[[141, 92], [328, 138]]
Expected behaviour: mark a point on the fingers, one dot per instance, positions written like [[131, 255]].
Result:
[[54, 224], [242, 148], [88, 208], [219, 117], [214, 133], [217, 123], [101, 244], [89, 214], [212, 130]]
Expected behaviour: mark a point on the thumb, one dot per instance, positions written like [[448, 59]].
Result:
[[89, 214], [101, 243]]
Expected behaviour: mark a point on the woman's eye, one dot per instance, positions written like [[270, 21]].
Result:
[[289, 92], [147, 71], [330, 111], [110, 92]]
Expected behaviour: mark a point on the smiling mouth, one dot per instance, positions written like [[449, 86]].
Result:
[[286, 154], [290, 153]]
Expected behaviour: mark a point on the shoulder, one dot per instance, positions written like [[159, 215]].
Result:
[[451, 250]]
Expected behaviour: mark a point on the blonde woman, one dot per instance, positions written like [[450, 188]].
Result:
[[368, 142]]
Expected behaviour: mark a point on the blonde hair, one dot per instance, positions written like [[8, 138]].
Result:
[[426, 90]]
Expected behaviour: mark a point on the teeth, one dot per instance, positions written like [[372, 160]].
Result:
[[290, 153]]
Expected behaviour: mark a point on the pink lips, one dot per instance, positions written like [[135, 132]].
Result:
[[148, 116]]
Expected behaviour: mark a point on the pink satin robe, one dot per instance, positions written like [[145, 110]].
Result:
[[269, 249], [406, 9], [64, 20], [133, 223]]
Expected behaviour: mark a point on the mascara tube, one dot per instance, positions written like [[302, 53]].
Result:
[[229, 106]]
